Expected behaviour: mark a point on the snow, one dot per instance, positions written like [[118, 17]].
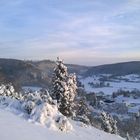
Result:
[[32, 88], [36, 117], [133, 104], [43, 122], [131, 77], [134, 109], [48, 115], [115, 85], [128, 100], [14, 127]]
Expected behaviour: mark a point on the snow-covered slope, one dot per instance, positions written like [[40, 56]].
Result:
[[35, 116], [14, 127]]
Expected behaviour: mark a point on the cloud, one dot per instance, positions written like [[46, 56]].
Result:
[[85, 32]]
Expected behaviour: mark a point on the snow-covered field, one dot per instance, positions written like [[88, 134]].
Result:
[[14, 127], [129, 100], [133, 104], [133, 82], [125, 83], [131, 77]]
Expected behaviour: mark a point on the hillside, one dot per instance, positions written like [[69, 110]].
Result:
[[10, 124], [35, 116], [39, 73], [31, 73], [21, 73], [47, 66], [116, 69]]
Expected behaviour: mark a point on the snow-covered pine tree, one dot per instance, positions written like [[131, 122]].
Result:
[[9, 91], [108, 123], [82, 111], [64, 88], [59, 80], [113, 123]]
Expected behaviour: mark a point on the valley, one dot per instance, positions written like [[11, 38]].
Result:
[[116, 92]]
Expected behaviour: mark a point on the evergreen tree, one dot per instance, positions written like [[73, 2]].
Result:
[[108, 123], [64, 88], [59, 80], [82, 111]]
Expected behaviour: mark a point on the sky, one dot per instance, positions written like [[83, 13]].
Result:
[[86, 32]]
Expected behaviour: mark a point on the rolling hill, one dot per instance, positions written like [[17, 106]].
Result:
[[124, 68], [39, 73]]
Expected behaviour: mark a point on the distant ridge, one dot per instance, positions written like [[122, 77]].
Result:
[[39, 73], [123, 68]]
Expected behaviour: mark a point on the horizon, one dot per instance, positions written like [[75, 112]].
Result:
[[81, 32], [72, 63]]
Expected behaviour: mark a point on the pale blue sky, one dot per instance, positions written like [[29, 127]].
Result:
[[87, 32]]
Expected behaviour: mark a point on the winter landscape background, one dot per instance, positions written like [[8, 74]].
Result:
[[69, 69], [112, 88]]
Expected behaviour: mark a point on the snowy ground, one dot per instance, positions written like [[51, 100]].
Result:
[[36, 117], [14, 127], [129, 100], [133, 104], [131, 77], [32, 88], [128, 82]]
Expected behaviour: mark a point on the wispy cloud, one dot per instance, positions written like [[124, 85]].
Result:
[[85, 32]]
